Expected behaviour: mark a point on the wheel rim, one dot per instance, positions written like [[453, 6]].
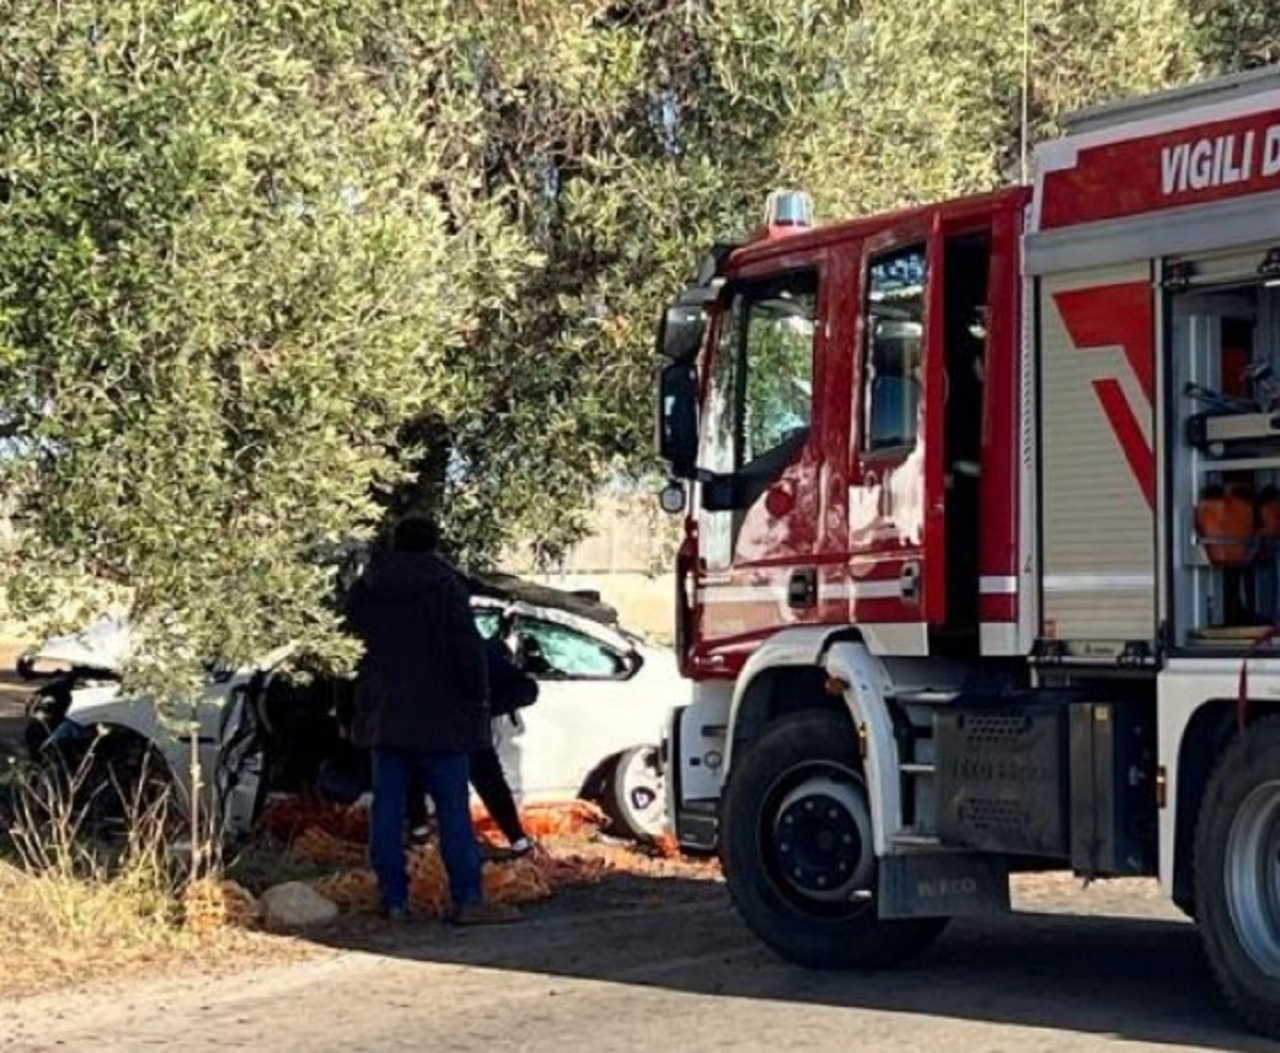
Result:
[[642, 790], [815, 830], [1252, 872]]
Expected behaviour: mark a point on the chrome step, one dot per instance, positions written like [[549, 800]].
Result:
[[911, 839], [926, 697]]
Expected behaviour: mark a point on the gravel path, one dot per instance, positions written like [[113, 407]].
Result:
[[635, 964]]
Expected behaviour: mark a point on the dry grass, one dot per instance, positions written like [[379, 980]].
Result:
[[58, 933], [57, 929], [77, 912], [78, 909]]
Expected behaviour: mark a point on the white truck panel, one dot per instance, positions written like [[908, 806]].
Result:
[[1098, 571]]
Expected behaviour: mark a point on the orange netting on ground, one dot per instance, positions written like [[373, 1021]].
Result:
[[554, 819], [211, 904], [356, 891], [574, 852], [289, 817]]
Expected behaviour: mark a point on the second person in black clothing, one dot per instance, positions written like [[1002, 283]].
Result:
[[510, 689]]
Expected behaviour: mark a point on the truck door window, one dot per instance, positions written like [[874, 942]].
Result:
[[895, 336], [761, 396], [722, 420], [778, 359]]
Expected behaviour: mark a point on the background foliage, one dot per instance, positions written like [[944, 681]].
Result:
[[270, 268]]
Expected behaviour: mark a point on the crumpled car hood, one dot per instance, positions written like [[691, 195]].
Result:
[[103, 644]]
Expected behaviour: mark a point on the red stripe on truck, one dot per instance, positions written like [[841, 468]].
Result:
[[1121, 316]]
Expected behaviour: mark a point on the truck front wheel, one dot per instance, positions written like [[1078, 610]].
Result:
[[1237, 872], [798, 855]]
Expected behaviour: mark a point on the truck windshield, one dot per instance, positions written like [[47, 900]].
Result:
[[761, 396]]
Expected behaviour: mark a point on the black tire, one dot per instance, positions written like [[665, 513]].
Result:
[[110, 785], [1245, 955], [827, 935], [617, 800]]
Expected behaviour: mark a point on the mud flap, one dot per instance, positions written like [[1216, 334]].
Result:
[[693, 754], [943, 885]]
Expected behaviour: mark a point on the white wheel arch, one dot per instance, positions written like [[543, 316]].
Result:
[[868, 683]]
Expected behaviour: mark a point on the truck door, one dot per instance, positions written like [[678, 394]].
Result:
[[898, 479], [758, 515]]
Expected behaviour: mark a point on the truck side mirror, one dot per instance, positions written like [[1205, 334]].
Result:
[[683, 326], [677, 438]]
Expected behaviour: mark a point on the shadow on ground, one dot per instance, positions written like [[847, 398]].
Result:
[[1137, 979]]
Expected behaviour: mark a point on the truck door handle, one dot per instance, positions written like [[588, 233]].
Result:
[[910, 582], [802, 589]]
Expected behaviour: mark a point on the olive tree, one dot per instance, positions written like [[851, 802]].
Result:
[[236, 259]]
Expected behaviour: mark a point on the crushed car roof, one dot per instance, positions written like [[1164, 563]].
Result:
[[509, 587], [502, 586]]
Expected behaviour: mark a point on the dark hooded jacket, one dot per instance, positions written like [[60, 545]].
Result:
[[422, 684]]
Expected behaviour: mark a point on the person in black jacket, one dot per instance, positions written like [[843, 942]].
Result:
[[510, 690], [421, 706]]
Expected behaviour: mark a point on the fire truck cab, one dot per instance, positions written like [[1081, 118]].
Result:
[[982, 544]]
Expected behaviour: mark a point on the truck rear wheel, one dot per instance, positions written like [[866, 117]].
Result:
[[1237, 872], [797, 849]]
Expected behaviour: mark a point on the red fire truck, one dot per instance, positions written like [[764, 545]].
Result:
[[982, 548]]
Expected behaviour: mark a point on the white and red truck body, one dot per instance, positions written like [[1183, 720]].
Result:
[[986, 513]]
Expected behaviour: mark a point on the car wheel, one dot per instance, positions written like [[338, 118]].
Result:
[[635, 797], [107, 790]]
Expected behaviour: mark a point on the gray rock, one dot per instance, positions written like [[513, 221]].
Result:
[[294, 905]]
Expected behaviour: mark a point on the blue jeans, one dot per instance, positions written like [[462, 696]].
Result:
[[445, 776]]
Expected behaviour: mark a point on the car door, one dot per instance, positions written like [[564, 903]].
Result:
[[586, 710]]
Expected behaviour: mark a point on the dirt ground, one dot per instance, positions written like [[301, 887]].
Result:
[[635, 963]]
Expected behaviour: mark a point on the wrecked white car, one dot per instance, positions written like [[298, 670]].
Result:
[[604, 696]]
